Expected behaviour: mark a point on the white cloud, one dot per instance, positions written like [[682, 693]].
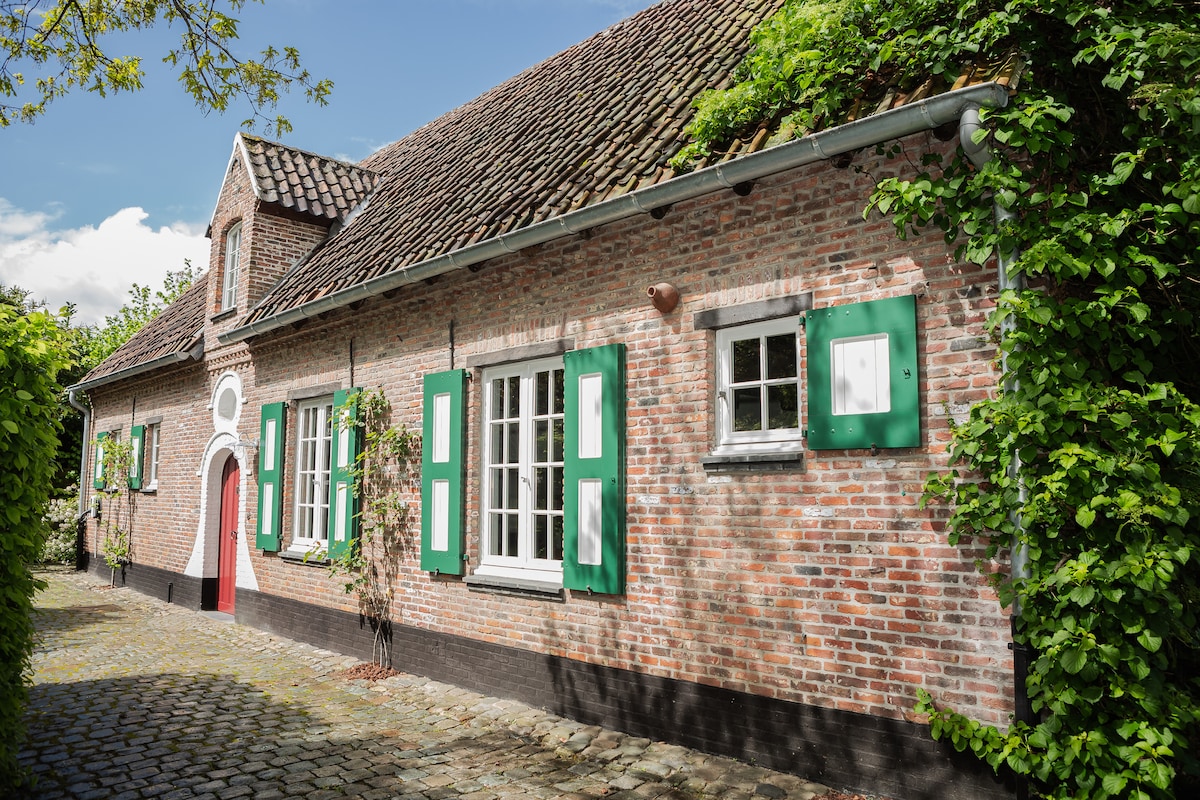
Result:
[[92, 267]]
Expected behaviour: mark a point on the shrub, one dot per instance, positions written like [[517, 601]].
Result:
[[61, 530], [31, 354]]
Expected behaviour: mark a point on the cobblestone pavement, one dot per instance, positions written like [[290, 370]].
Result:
[[135, 698]]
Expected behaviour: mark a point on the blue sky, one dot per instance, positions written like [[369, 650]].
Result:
[[105, 192]]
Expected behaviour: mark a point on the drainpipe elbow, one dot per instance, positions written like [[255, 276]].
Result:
[[973, 142]]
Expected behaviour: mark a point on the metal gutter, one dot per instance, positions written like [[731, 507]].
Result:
[[192, 354], [913, 118]]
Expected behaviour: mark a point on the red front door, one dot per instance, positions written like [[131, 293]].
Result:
[[227, 538]]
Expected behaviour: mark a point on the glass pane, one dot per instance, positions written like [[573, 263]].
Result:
[[496, 535], [746, 365], [323, 463], [556, 491], [513, 398], [541, 537], [560, 402], [543, 394], [541, 489], [512, 453], [783, 407], [496, 479], [556, 545], [747, 409], [496, 456], [513, 483], [541, 441], [511, 549], [559, 448], [497, 404], [781, 356]]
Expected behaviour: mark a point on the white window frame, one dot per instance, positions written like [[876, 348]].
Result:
[[767, 440], [229, 283], [523, 565], [150, 456], [315, 536]]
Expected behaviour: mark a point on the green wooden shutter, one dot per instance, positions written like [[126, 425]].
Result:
[[99, 475], [443, 462], [270, 476], [594, 470], [137, 438], [345, 441], [862, 375]]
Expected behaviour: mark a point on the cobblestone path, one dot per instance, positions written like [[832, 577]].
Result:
[[135, 698]]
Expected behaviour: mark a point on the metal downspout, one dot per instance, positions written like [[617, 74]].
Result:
[[980, 154]]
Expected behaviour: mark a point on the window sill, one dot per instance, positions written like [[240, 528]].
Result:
[[754, 462], [224, 313], [308, 558], [522, 587]]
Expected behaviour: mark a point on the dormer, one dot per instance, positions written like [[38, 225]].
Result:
[[276, 205]]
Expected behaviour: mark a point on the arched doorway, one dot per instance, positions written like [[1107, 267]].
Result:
[[227, 537]]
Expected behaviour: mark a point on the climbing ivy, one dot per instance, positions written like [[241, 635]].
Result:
[[118, 506], [1088, 453], [384, 479]]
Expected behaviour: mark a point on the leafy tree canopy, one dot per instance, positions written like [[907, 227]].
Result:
[[1088, 454], [50, 47]]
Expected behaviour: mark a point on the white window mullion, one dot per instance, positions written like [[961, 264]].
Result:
[[525, 495]]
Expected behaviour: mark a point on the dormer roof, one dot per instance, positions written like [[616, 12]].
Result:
[[303, 182]]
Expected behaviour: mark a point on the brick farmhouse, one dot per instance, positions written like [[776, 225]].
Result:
[[674, 428]]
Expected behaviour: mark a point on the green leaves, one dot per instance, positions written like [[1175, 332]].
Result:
[[32, 351], [63, 45]]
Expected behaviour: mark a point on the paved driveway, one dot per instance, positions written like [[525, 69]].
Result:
[[135, 698]]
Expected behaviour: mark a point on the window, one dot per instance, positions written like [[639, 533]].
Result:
[[151, 457], [233, 246], [758, 386], [522, 481], [551, 478], [99, 468], [325, 518], [313, 441], [143, 464]]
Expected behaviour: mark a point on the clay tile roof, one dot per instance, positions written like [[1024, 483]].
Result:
[[305, 182], [172, 335], [599, 119]]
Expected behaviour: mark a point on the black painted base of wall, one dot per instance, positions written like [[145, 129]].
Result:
[[842, 749], [171, 587]]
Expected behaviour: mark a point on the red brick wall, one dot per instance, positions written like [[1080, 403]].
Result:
[[272, 241], [826, 585], [165, 520]]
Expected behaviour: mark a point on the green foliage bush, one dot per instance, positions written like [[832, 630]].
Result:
[[31, 354], [1088, 455]]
